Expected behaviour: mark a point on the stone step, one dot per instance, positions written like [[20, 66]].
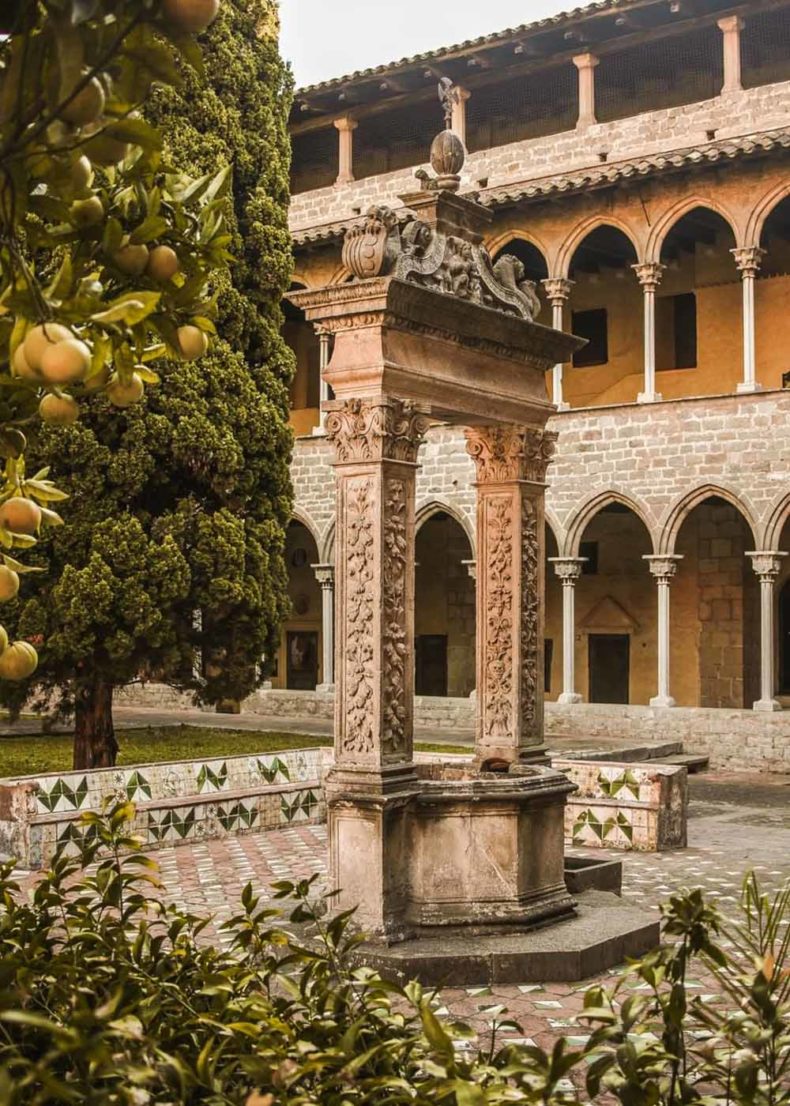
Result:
[[663, 751], [695, 762]]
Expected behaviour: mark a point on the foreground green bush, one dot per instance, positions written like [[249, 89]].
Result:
[[108, 995]]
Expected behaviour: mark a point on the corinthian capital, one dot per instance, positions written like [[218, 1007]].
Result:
[[748, 259], [649, 274], [558, 289], [505, 453], [376, 429]]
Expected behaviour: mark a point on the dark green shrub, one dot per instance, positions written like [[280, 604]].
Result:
[[108, 995]]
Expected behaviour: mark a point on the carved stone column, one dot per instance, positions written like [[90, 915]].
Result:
[[325, 575], [568, 570], [345, 152], [511, 464], [586, 64], [558, 291], [649, 275], [376, 441], [767, 566], [731, 27], [748, 259], [663, 569]]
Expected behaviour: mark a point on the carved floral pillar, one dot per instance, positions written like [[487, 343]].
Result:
[[558, 291], [649, 276], [511, 463], [767, 566], [568, 570], [663, 569], [325, 575], [376, 441], [748, 259]]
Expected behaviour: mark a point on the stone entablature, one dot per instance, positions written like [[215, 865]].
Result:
[[663, 131], [660, 459]]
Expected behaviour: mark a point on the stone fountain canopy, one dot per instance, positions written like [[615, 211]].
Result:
[[430, 330]]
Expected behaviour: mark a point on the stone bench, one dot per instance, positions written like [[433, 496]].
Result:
[[176, 803], [642, 806]]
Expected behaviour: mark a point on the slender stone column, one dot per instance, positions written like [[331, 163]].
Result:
[[568, 570], [731, 27], [649, 276], [345, 160], [324, 346], [767, 566], [511, 464], [458, 123], [663, 568], [586, 64], [558, 291], [325, 575], [748, 259]]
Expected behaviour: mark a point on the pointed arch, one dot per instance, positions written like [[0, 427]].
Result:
[[678, 512], [771, 532], [587, 512], [762, 209], [675, 213], [553, 524], [561, 264], [436, 505], [326, 549], [298, 514], [500, 241]]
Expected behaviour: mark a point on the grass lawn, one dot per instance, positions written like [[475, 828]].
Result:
[[41, 754]]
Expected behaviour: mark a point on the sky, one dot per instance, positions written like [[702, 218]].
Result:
[[330, 38]]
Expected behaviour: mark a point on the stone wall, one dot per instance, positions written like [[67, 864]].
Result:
[[652, 132]]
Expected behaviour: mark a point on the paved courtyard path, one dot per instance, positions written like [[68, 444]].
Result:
[[737, 822]]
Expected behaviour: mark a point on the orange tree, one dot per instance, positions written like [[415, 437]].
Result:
[[107, 249]]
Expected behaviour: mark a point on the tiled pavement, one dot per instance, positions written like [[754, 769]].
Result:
[[736, 823]]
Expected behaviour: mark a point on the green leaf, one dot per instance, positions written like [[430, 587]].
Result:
[[151, 227], [130, 308]]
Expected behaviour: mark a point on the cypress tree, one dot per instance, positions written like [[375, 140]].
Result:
[[178, 508]]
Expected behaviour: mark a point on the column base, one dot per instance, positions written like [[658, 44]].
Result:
[[767, 705], [325, 689], [745, 387], [649, 397], [570, 697], [563, 406], [662, 701]]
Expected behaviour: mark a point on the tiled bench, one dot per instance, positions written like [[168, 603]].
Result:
[[640, 806], [182, 801]]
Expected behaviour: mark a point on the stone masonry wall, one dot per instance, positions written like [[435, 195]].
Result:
[[730, 115]]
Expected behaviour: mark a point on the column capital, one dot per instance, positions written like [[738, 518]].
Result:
[[325, 575], [379, 428], [346, 123], [748, 259], [649, 274], [507, 453], [471, 568], [767, 564], [568, 569], [663, 566], [586, 61], [558, 290], [730, 24]]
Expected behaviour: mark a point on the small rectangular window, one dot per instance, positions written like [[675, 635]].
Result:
[[676, 332], [593, 326], [589, 549]]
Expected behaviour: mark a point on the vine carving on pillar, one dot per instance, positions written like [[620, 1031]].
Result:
[[504, 453], [376, 429], [530, 615], [359, 652], [393, 583], [498, 674]]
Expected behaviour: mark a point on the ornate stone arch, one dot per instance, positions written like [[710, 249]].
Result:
[[673, 519], [771, 531], [434, 506], [561, 264], [761, 210], [500, 241], [586, 513], [675, 213]]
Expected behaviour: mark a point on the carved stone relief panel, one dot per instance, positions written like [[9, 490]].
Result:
[[358, 650]]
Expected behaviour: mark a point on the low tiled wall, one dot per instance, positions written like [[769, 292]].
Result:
[[626, 806], [176, 802]]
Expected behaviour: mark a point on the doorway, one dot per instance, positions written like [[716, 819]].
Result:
[[302, 660], [784, 639], [609, 658], [431, 664]]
